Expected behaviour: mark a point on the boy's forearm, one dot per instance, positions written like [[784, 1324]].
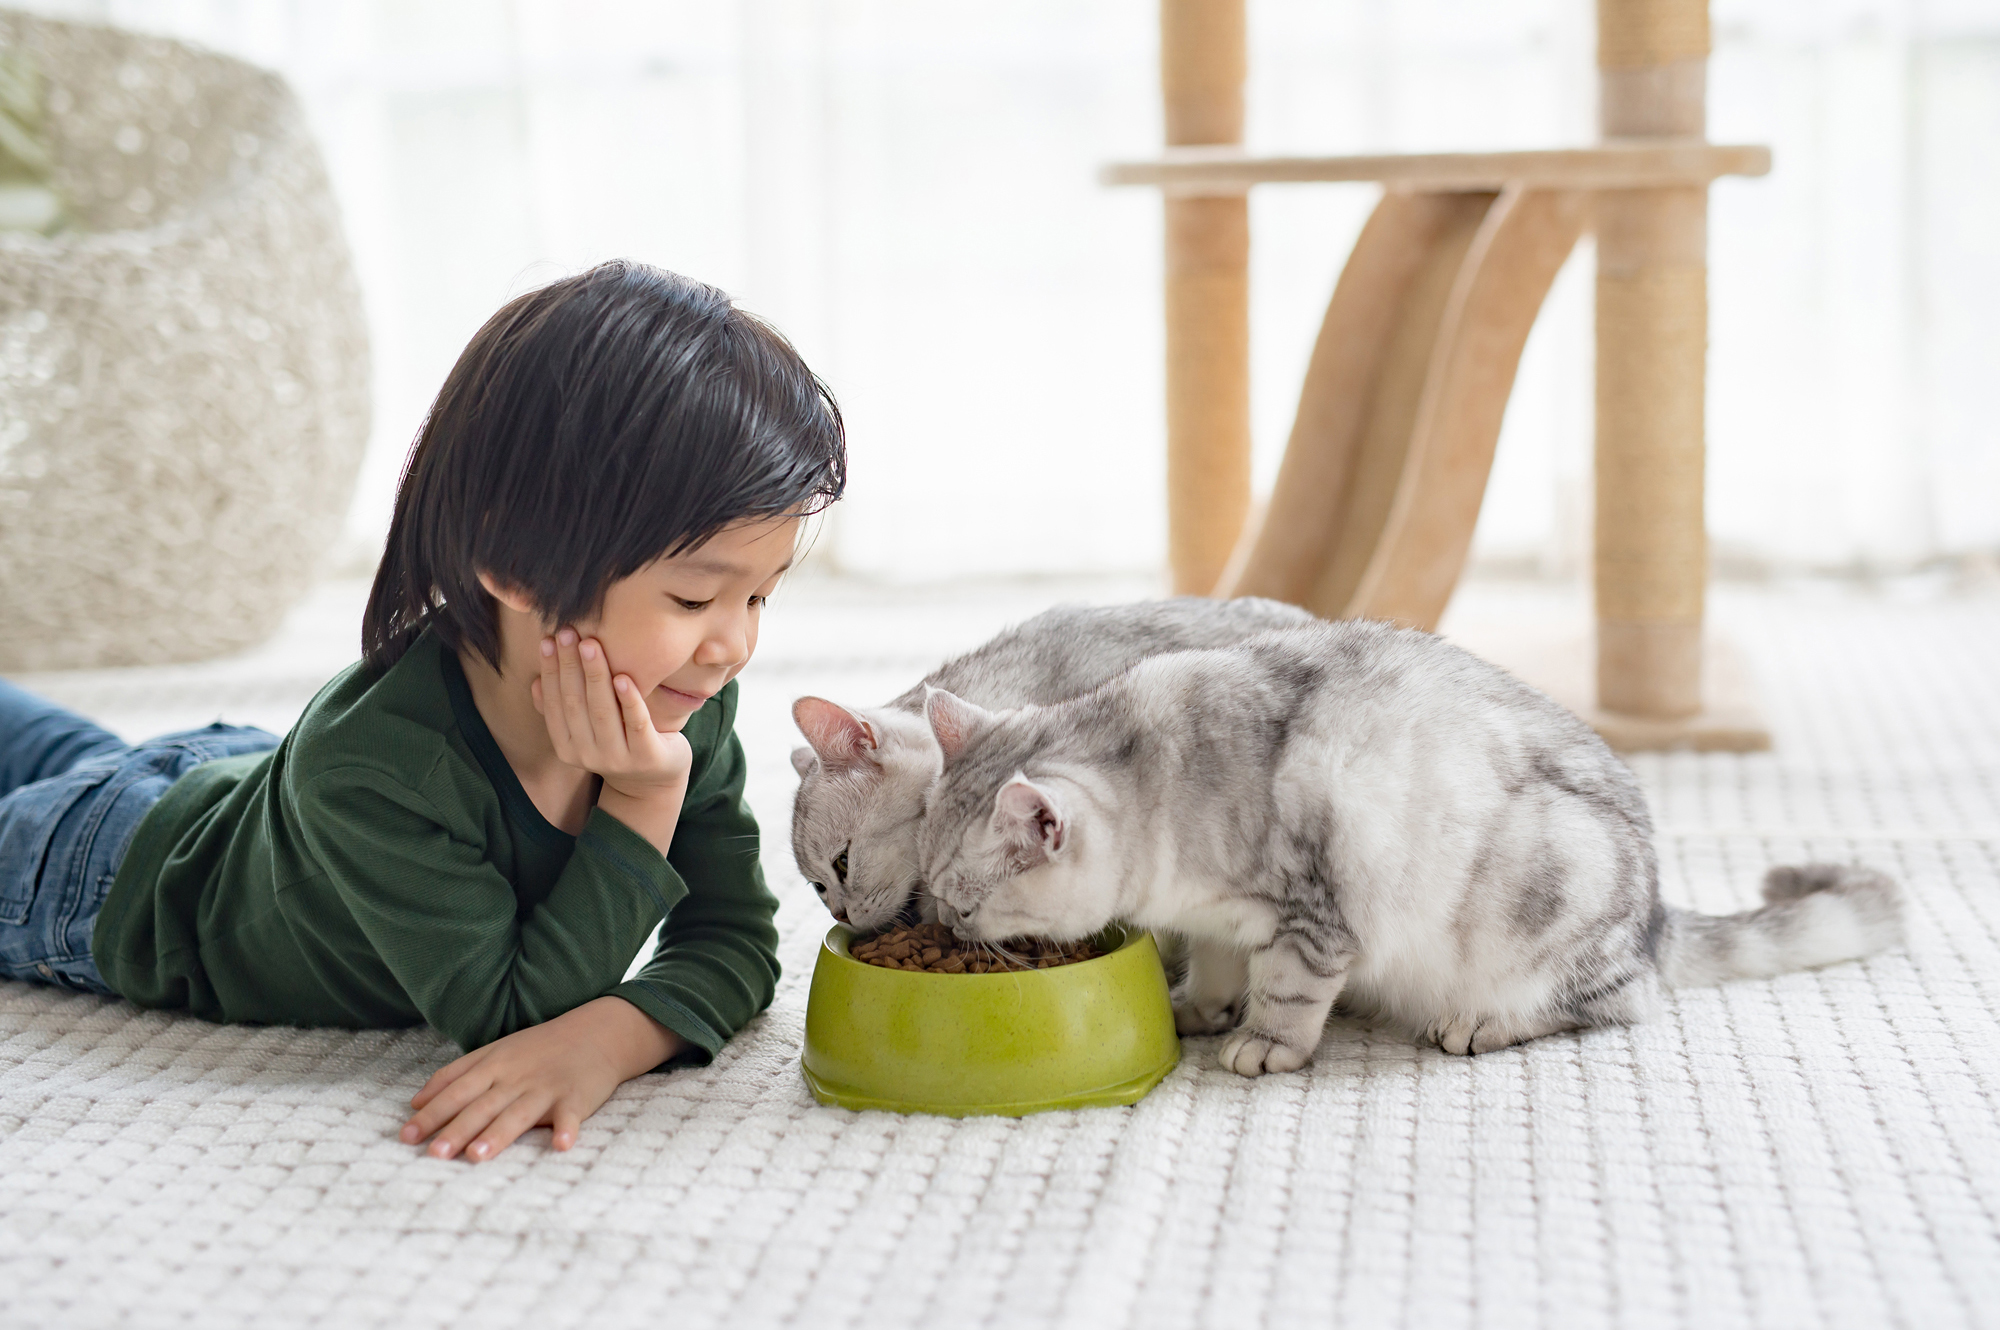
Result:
[[652, 814]]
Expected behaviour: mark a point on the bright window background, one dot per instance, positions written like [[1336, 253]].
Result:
[[907, 188]]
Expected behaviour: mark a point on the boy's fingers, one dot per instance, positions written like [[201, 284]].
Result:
[[569, 670], [638, 720], [549, 698], [602, 703], [442, 1077], [447, 1102], [568, 1124], [505, 1129], [471, 1120]]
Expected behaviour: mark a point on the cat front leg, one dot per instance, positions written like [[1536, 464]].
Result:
[[1210, 1000], [1294, 981]]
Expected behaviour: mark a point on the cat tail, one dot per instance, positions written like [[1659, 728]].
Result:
[[1813, 914]]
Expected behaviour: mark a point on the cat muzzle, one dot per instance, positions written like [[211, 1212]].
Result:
[[957, 920]]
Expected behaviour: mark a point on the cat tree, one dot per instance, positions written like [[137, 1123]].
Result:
[[1375, 502]]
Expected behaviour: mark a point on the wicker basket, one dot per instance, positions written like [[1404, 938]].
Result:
[[183, 371]]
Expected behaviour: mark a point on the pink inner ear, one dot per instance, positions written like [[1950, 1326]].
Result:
[[1031, 813], [948, 720], [840, 737]]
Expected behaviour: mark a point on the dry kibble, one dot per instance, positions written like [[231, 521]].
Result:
[[933, 948]]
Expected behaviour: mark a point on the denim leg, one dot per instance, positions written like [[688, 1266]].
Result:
[[39, 739], [63, 838], [193, 747]]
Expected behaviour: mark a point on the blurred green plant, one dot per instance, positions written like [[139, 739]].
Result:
[[28, 197]]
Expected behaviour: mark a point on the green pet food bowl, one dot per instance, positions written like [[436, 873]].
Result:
[[1087, 1035]]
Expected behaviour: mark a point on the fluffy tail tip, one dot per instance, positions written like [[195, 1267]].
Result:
[[1872, 897], [1813, 914], [1873, 894]]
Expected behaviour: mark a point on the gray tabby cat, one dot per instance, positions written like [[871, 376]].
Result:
[[1356, 813], [862, 780]]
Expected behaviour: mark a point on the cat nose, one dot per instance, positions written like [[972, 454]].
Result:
[[947, 914], [838, 913]]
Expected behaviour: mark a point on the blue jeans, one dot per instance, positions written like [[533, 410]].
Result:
[[71, 795]]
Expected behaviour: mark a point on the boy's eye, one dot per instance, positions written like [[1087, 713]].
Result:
[[692, 604], [840, 865], [758, 602]]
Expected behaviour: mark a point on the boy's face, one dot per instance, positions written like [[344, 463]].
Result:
[[683, 626]]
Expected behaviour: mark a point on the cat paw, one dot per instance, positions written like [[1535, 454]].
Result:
[[1197, 1018], [1459, 1036], [1251, 1054], [1467, 1035]]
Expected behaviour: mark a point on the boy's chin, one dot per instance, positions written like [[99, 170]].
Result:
[[668, 717]]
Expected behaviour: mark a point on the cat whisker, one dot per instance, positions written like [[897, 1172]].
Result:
[[1010, 958]]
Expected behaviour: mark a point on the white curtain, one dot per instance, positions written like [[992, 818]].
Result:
[[908, 189]]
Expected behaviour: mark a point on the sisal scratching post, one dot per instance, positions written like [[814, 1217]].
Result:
[[1207, 298], [1652, 344]]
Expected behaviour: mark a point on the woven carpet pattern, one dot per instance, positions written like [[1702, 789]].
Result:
[[1817, 1150]]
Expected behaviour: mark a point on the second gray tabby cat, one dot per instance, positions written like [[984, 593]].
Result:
[[1349, 812], [863, 778]]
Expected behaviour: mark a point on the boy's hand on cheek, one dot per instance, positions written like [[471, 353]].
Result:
[[599, 722], [554, 1074]]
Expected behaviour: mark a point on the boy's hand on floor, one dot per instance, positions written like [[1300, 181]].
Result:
[[599, 722], [554, 1074]]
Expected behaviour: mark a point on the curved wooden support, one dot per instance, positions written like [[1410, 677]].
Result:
[[1362, 390], [1380, 489], [1522, 245]]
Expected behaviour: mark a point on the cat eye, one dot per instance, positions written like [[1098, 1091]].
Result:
[[820, 887], [840, 865]]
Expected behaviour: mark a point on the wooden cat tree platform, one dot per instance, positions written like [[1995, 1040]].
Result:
[[1375, 502]]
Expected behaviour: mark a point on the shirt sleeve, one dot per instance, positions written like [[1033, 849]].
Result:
[[446, 923], [716, 965]]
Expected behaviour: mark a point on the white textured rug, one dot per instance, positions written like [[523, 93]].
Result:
[[1821, 1150]]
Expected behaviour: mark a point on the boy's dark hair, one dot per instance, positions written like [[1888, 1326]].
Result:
[[589, 428]]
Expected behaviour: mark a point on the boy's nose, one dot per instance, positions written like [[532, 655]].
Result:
[[724, 647]]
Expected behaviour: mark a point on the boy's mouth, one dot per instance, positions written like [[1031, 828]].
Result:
[[685, 699]]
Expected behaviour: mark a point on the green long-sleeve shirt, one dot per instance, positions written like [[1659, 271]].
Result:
[[384, 867]]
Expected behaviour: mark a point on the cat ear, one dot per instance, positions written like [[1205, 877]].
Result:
[[1027, 815], [803, 761], [838, 736], [954, 721]]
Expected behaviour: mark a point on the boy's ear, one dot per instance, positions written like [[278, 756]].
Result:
[[1027, 816], [838, 737], [953, 720], [512, 597]]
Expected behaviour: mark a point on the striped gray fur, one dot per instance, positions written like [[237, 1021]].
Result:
[[1356, 813], [863, 776]]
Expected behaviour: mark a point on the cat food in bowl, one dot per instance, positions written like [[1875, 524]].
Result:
[[934, 948], [1012, 1040]]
